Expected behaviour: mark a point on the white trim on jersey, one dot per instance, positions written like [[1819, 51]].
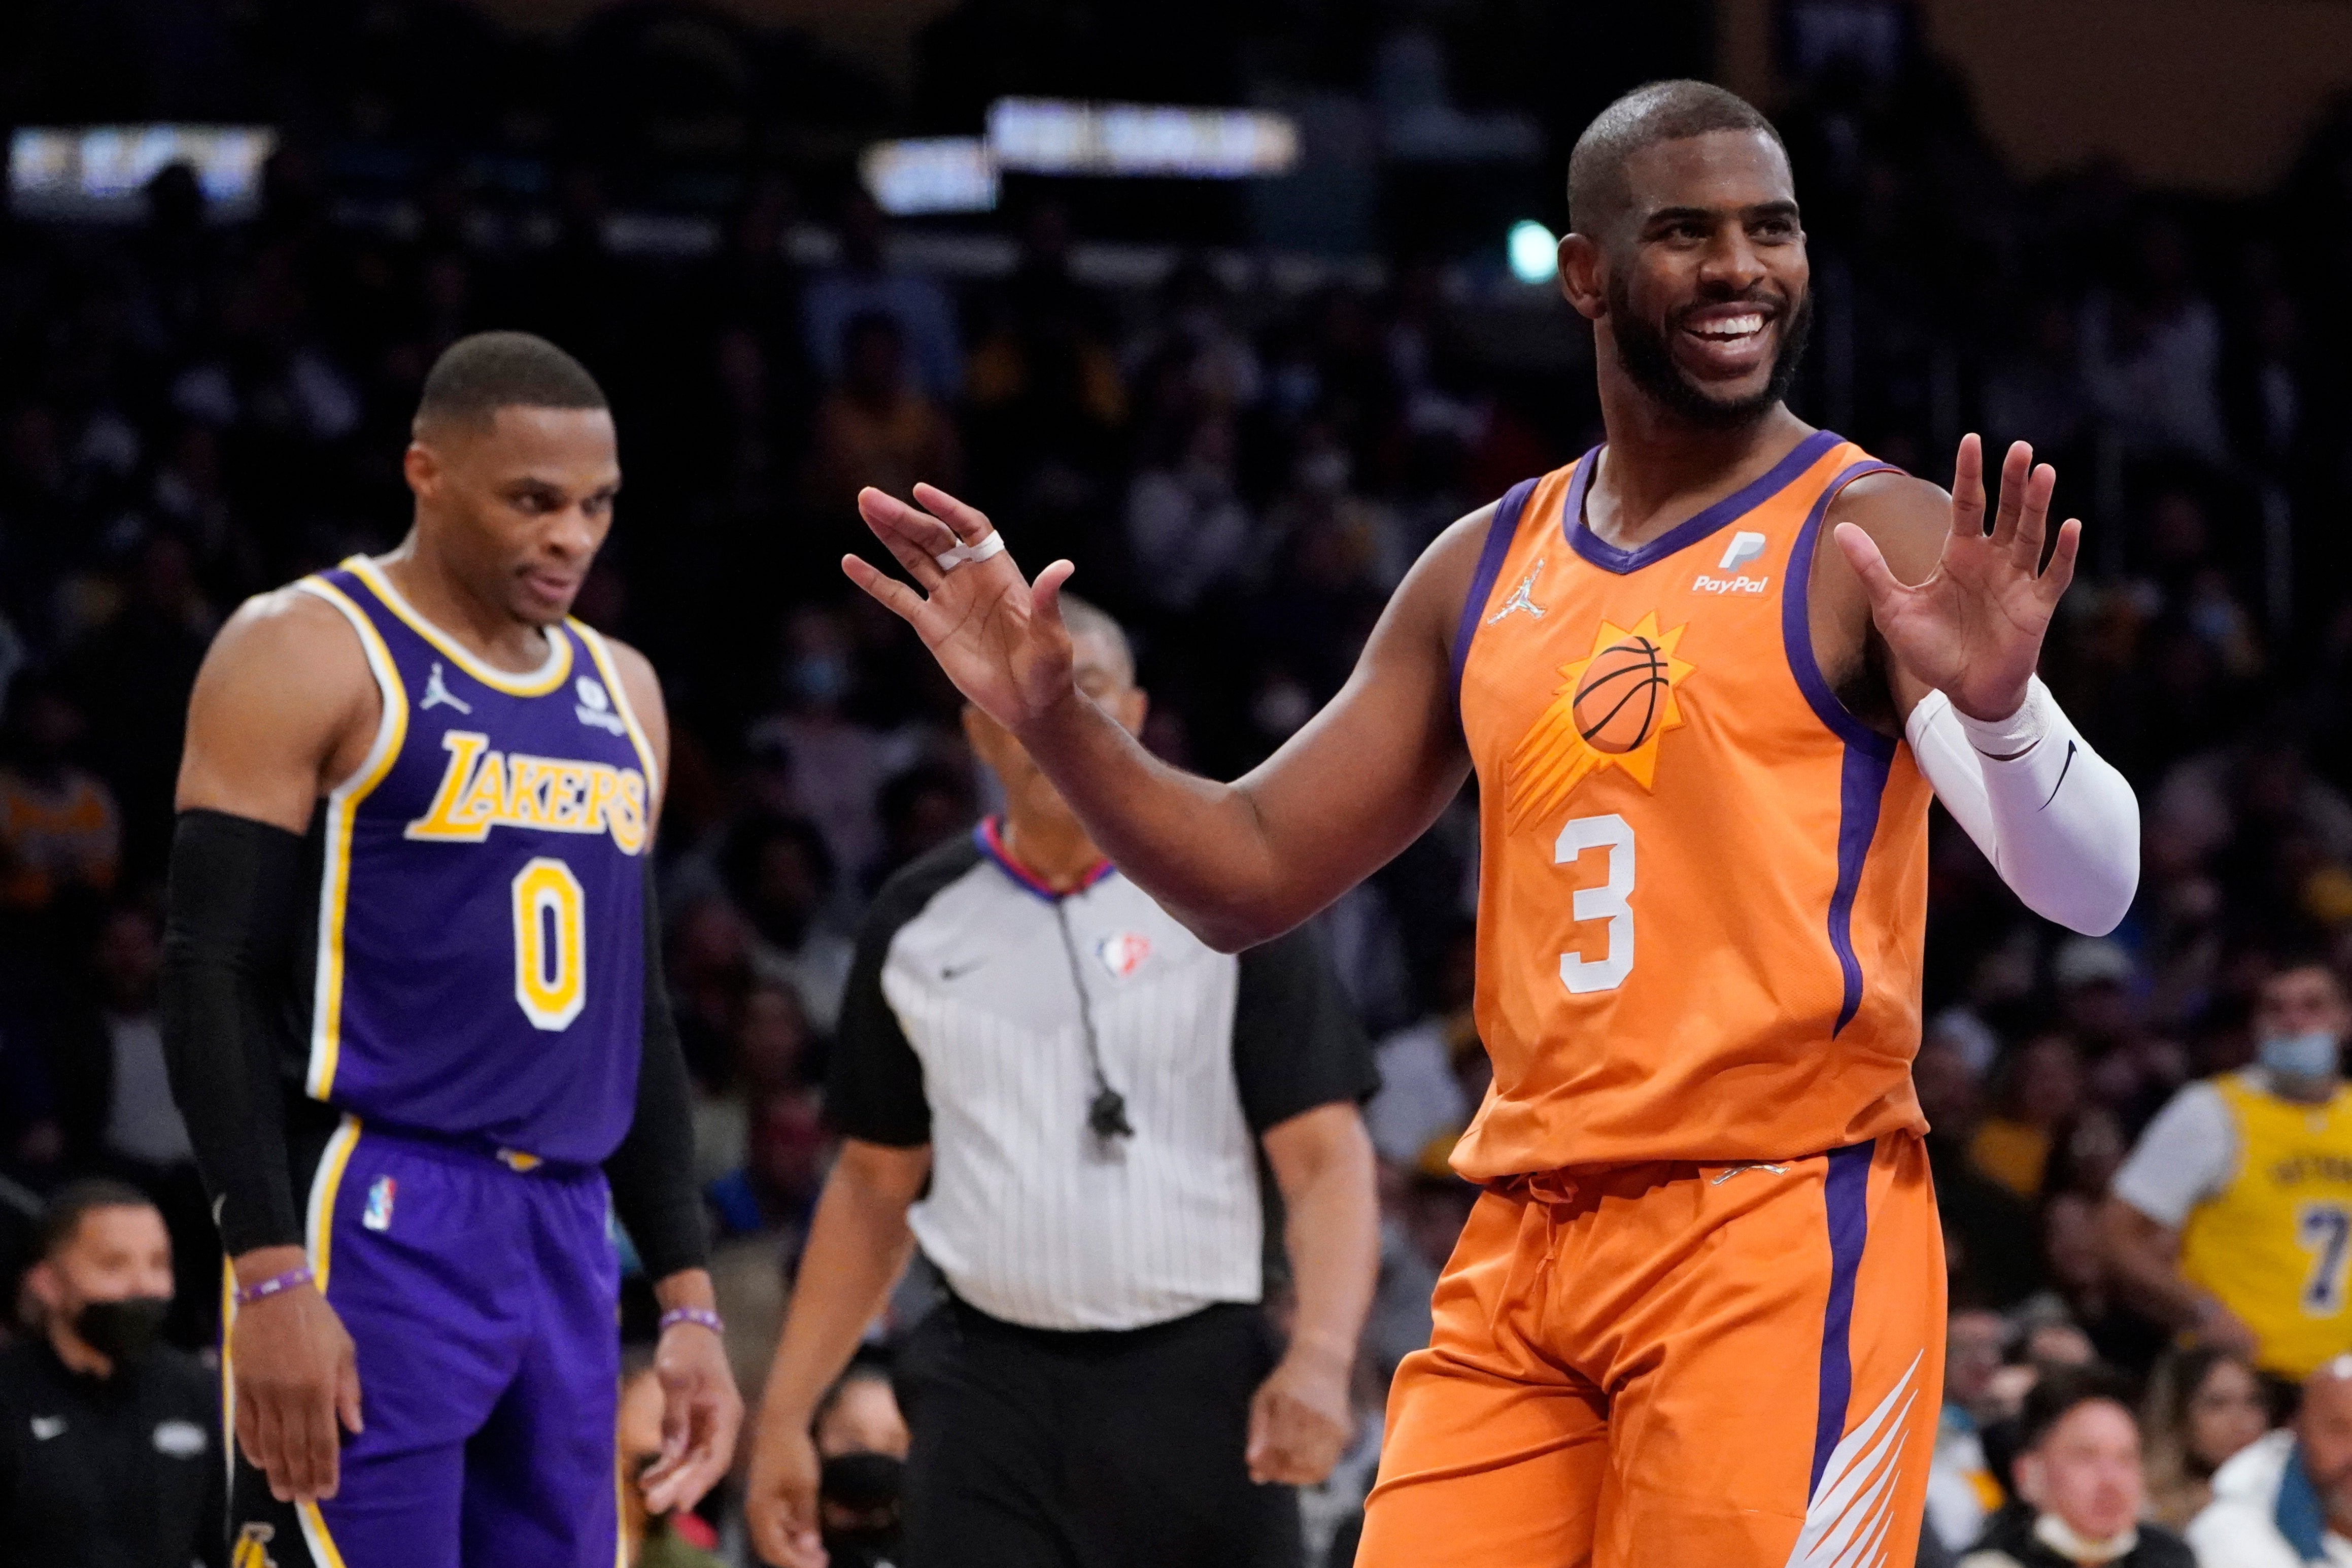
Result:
[[335, 864]]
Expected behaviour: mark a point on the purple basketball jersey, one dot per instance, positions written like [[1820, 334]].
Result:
[[480, 943]]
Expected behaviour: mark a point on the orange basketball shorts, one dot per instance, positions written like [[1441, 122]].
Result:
[[1676, 1366]]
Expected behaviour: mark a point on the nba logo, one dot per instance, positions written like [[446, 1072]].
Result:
[[1124, 953], [378, 1215]]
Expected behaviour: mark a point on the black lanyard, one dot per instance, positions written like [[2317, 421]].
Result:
[[1107, 1112]]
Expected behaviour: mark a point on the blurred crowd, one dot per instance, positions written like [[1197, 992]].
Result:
[[192, 411]]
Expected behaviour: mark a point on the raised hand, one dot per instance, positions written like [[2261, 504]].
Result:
[[999, 638], [1973, 630]]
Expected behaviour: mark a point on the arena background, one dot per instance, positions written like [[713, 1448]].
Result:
[[2118, 228]]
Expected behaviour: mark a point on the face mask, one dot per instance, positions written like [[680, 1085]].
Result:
[[122, 1331], [867, 1486], [2309, 1055]]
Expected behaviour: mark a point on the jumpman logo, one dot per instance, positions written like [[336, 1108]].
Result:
[[436, 693], [1519, 599]]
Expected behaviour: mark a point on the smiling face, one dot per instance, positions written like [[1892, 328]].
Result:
[[517, 504], [1698, 278]]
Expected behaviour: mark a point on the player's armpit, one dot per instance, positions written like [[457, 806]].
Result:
[[284, 709], [1907, 519], [642, 687]]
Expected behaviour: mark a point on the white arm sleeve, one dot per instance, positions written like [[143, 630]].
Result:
[[2056, 819]]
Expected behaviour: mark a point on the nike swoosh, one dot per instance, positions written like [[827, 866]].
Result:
[[2062, 777], [952, 971]]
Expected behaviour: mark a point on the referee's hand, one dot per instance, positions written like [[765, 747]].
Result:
[[780, 1501], [1300, 1420]]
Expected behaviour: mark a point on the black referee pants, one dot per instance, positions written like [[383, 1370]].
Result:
[[1041, 1449]]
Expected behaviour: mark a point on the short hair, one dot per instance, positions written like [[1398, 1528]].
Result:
[[76, 1201], [1087, 619], [477, 376], [2059, 1392], [866, 1365], [1657, 111]]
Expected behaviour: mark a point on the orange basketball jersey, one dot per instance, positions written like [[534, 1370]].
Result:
[[1703, 882]]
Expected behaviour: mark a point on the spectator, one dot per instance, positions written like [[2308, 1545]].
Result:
[[2079, 1485], [120, 1117], [108, 1439], [2152, 353], [1961, 1490], [1186, 526], [59, 831], [771, 1054], [861, 1444], [2232, 1219], [863, 282], [875, 428], [779, 873], [2041, 1092], [1422, 1100], [2083, 1287], [2204, 1406], [773, 1193], [1079, 1092], [1982, 1218], [2285, 1500]]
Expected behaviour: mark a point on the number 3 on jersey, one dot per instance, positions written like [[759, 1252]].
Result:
[[551, 947], [1610, 834]]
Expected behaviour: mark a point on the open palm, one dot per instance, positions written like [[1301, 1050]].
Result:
[[997, 636], [1973, 630]]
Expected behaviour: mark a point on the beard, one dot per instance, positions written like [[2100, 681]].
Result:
[[1642, 350]]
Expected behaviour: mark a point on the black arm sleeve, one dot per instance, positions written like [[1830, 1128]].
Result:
[[652, 1172], [1296, 1043], [228, 943]]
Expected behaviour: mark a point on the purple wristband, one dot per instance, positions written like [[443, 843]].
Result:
[[246, 1295], [702, 1315]]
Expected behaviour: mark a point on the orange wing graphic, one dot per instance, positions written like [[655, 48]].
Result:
[[1555, 756]]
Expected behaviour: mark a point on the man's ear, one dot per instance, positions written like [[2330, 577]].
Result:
[[48, 1289], [421, 465], [1129, 707], [1581, 283]]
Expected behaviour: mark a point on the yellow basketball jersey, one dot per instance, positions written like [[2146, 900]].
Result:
[[1699, 933], [2275, 1244]]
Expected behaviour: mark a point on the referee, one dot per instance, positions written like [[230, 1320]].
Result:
[[1076, 1089]]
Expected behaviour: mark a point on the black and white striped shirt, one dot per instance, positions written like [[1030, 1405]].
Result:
[[964, 1028]]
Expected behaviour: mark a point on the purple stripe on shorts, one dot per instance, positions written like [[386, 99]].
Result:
[[1500, 530], [1846, 1194]]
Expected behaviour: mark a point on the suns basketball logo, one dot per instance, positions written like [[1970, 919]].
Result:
[[1609, 710]]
